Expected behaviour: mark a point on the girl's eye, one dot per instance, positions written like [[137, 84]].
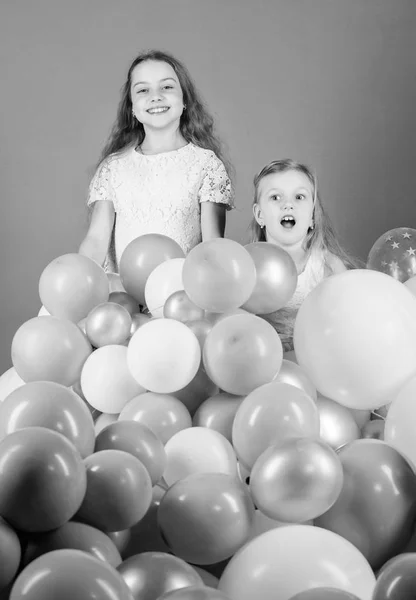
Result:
[[300, 197], [168, 87], [275, 197], [141, 91]]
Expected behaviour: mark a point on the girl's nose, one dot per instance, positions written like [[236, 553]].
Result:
[[288, 204]]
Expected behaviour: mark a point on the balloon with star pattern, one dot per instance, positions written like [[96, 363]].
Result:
[[394, 253]]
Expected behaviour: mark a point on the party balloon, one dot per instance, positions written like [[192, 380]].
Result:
[[214, 317], [145, 535], [194, 593], [42, 479], [206, 517], [291, 373], [208, 579], [9, 382], [218, 412], [198, 450], [115, 284], [340, 342], [108, 323], [201, 329], [296, 480], [411, 284], [180, 307], [398, 430], [376, 507], [198, 389], [293, 559], [10, 553], [276, 279], [119, 491], [138, 440], [397, 579], [71, 285], [49, 349], [241, 353], [141, 257], [374, 430], [162, 413], [126, 301], [325, 594], [106, 380], [394, 253], [337, 424], [103, 420], [163, 355], [219, 275], [162, 282], [51, 405], [137, 320], [76, 536], [69, 574], [262, 523], [151, 574], [272, 414]]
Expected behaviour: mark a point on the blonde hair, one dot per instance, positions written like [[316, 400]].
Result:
[[322, 236]]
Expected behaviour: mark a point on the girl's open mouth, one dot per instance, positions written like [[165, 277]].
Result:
[[288, 221]]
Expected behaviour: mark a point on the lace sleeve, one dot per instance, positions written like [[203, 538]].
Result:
[[216, 185], [101, 187]]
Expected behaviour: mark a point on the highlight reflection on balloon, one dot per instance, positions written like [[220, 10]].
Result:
[[337, 424], [397, 579]]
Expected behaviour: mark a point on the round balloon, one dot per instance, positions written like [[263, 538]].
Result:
[[325, 594], [398, 430], [50, 349], [194, 593], [397, 579], [151, 574], [355, 336], [219, 275], [10, 554], [163, 355], [290, 372], [218, 412], [106, 380], [276, 278], [337, 424], [71, 285], [411, 284], [200, 328], [126, 301], [141, 257], [137, 320], [138, 440], [108, 323], [241, 353], [270, 415], [51, 405], [162, 282], [296, 480], [198, 450], [206, 517], [43, 479], [198, 389], [103, 420], [165, 415], [180, 307], [394, 253], [69, 574], [376, 508], [306, 556], [119, 491], [9, 382]]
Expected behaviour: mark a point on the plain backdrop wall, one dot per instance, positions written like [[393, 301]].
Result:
[[328, 82]]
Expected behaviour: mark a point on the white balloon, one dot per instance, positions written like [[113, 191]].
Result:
[[261, 524], [9, 382], [411, 285], [164, 355], [162, 282], [106, 381], [104, 420], [198, 450]]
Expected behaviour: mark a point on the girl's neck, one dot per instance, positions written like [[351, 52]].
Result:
[[157, 141]]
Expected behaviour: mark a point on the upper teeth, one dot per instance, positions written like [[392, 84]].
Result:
[[287, 219], [158, 110]]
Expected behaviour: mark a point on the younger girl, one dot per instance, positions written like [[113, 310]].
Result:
[[288, 212], [161, 170]]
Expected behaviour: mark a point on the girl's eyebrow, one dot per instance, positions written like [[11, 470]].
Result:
[[160, 81]]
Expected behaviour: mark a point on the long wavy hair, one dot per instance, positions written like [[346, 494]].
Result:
[[322, 235], [196, 124]]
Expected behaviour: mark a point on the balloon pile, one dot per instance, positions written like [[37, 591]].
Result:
[[156, 443]]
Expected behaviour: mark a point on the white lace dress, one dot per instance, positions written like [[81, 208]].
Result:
[[283, 320], [160, 193]]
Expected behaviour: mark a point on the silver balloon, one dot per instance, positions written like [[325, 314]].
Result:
[[124, 299], [108, 323], [137, 320], [337, 424], [297, 480], [292, 373], [181, 308], [201, 329]]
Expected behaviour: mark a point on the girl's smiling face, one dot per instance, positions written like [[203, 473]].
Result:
[[156, 94], [285, 203]]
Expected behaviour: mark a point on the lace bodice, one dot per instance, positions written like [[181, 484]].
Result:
[[283, 320], [160, 193]]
